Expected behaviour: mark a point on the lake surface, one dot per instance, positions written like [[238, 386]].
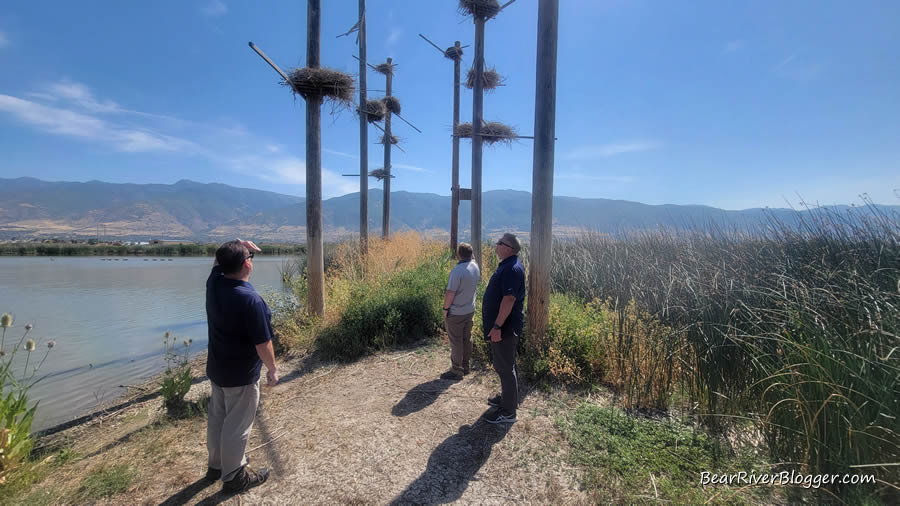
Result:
[[108, 318]]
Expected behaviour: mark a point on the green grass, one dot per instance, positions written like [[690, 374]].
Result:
[[31, 472], [619, 453], [105, 481]]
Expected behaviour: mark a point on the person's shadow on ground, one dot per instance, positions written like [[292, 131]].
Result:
[[453, 464], [420, 397], [186, 494]]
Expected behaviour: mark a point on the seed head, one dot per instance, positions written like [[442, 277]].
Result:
[[168, 334], [186, 343], [2, 353], [6, 320], [51, 344], [29, 345], [28, 326]]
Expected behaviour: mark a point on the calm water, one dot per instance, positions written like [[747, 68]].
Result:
[[107, 318]]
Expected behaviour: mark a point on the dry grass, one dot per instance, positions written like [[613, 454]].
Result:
[[385, 68], [490, 79], [392, 104], [484, 8], [492, 132], [375, 110], [322, 82], [452, 53]]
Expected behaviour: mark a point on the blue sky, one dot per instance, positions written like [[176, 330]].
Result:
[[729, 104]]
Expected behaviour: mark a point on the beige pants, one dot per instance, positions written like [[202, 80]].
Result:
[[459, 328], [231, 414]]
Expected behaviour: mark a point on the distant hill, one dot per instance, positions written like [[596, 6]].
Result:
[[188, 210]]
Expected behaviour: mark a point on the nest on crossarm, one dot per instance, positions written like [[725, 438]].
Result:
[[385, 68], [374, 110], [380, 174], [492, 132], [394, 139], [490, 79], [485, 8], [453, 53], [321, 82], [392, 104]]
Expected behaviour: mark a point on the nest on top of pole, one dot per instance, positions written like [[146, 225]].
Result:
[[491, 132], [490, 80], [453, 53], [391, 104], [484, 8], [321, 82], [380, 174], [385, 68], [374, 110]]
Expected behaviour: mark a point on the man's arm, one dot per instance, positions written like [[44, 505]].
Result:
[[448, 299], [267, 355], [506, 305]]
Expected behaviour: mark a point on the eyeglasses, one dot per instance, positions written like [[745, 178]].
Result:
[[501, 243], [249, 257]]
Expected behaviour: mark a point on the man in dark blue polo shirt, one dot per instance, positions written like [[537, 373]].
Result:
[[240, 341], [502, 319]]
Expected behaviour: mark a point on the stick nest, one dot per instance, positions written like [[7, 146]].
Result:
[[394, 139], [485, 8], [491, 132], [321, 82], [385, 68], [375, 110], [453, 53], [380, 174], [392, 104], [490, 79]]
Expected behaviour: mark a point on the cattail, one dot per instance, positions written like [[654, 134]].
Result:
[[29, 345], [6, 320]]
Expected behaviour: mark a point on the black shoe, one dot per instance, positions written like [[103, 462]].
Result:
[[245, 480], [500, 416], [451, 375], [495, 400], [213, 474]]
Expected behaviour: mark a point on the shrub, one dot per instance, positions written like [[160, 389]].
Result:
[[177, 378]]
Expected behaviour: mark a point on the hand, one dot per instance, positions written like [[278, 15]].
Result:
[[494, 334], [249, 245], [271, 377], [446, 313]]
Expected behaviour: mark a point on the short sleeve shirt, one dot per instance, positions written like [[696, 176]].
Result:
[[238, 319], [508, 279], [464, 281]]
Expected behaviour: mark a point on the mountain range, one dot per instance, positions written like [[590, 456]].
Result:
[[31, 208]]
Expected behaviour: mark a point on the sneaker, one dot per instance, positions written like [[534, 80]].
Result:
[[245, 480], [500, 416], [213, 474], [451, 375], [495, 400]]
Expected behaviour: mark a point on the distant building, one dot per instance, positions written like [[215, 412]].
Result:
[[167, 242]]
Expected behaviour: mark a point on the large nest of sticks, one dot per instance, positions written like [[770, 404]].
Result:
[[485, 8], [321, 82], [491, 132], [490, 79], [385, 68], [453, 53], [380, 174], [391, 104], [374, 110], [394, 139]]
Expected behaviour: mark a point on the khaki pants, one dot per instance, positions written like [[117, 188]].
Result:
[[459, 328], [231, 414]]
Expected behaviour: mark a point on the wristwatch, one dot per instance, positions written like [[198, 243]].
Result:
[[446, 309], [497, 326]]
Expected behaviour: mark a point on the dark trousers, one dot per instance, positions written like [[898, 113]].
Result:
[[504, 357]]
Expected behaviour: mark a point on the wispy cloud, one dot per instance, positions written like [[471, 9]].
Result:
[[581, 176], [394, 37], [595, 151], [798, 68], [734, 46], [214, 8], [409, 167], [787, 60], [340, 153], [4, 40]]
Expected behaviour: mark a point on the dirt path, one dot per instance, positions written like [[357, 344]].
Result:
[[379, 431]]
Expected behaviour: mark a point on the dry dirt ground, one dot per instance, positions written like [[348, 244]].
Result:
[[384, 430]]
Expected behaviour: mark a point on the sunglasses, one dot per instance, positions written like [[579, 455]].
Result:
[[249, 257], [501, 243]]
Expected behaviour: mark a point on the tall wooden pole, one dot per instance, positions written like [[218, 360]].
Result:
[[314, 246], [542, 175], [386, 208], [454, 187], [363, 137], [477, 111]]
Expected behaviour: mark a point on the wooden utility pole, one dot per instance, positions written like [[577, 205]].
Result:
[[386, 198], [542, 175], [363, 138], [477, 112], [454, 187], [314, 244]]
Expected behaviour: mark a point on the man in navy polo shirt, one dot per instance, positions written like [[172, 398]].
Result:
[[240, 341], [502, 319]]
